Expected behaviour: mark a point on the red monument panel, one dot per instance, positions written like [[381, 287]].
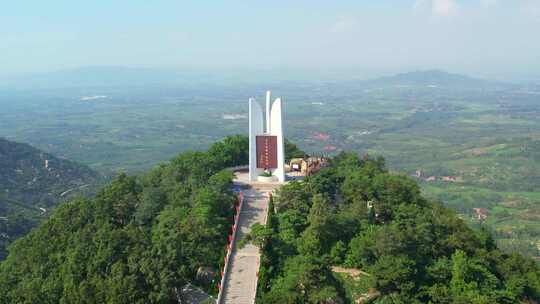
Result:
[[267, 152]]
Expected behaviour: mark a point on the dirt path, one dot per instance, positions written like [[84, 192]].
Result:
[[353, 272]]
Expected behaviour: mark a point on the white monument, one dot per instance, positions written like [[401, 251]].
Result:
[[266, 145]]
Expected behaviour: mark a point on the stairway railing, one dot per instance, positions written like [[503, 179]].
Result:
[[230, 247]]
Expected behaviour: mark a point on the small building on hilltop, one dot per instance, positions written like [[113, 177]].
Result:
[[480, 214], [449, 179], [306, 166]]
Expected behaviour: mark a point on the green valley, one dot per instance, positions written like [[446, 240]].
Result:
[[32, 184]]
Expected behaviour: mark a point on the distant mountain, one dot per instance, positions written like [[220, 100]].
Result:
[[112, 76], [31, 183], [97, 76], [432, 78], [124, 76]]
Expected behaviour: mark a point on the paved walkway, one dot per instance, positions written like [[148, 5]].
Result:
[[241, 283]]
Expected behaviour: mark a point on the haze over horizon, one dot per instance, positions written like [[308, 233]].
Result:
[[487, 38]]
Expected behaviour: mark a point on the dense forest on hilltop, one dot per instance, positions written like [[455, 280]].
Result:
[[138, 241], [143, 237], [355, 232], [31, 183]]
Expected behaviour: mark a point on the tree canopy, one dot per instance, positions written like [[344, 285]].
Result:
[[355, 214], [143, 237], [138, 240]]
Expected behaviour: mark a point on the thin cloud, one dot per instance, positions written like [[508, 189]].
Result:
[[343, 24], [531, 7], [444, 8], [489, 3], [437, 8]]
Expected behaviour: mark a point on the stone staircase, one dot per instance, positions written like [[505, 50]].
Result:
[[240, 285]]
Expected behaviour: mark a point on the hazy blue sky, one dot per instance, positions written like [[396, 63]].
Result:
[[497, 38]]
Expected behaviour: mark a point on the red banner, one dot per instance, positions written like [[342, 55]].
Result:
[[266, 152]]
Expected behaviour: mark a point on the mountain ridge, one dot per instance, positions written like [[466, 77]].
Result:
[[32, 182], [133, 76], [431, 77]]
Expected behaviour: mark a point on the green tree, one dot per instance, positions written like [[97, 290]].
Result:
[[316, 239], [304, 280], [292, 151], [394, 274]]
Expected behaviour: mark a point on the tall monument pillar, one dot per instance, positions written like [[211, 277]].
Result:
[[266, 143], [268, 103]]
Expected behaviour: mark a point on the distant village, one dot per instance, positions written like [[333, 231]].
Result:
[[480, 214], [420, 175]]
